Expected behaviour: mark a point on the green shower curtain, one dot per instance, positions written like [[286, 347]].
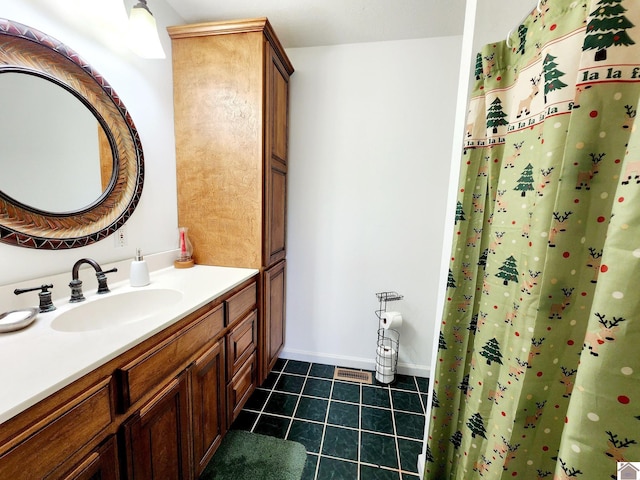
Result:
[[538, 372]]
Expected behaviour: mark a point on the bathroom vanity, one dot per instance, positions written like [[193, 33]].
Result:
[[148, 398]]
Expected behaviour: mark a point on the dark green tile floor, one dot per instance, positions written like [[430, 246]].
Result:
[[351, 431]]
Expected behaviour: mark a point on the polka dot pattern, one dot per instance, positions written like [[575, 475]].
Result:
[[543, 310]]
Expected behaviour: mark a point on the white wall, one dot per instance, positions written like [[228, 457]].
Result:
[[145, 87], [491, 28], [370, 148]]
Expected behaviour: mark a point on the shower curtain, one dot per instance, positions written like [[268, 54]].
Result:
[[538, 372]]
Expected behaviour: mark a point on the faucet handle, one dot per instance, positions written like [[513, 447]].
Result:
[[46, 305], [102, 280]]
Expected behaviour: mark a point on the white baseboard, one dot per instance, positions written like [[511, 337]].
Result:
[[351, 362]]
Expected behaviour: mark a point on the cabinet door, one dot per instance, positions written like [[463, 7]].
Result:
[[274, 315], [157, 436], [276, 127], [208, 396], [99, 465]]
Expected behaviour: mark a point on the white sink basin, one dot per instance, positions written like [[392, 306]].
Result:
[[112, 310]]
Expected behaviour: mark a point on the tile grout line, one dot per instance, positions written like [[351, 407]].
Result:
[[395, 433], [295, 409], [422, 403], [264, 405], [324, 430], [316, 394]]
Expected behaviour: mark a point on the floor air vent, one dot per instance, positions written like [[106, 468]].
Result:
[[349, 375]]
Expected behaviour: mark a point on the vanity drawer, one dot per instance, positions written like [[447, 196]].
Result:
[[240, 388], [150, 369], [241, 303], [241, 343], [53, 439]]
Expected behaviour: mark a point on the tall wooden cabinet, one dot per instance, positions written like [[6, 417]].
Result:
[[231, 82]]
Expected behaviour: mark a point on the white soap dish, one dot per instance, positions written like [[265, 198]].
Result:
[[17, 319]]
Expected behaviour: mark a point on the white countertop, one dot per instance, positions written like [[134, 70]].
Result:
[[38, 360]]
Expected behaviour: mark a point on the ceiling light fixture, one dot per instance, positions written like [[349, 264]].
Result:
[[143, 32]]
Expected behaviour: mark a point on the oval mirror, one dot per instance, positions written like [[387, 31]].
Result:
[[52, 158], [72, 159]]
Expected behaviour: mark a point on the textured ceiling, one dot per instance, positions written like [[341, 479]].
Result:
[[309, 23]]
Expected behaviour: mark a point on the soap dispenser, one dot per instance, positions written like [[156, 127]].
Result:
[[139, 274]]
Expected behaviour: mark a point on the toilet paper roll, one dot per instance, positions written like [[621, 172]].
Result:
[[386, 360], [386, 352], [384, 378], [385, 370], [391, 320]]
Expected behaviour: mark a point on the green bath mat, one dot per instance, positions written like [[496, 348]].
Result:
[[243, 455]]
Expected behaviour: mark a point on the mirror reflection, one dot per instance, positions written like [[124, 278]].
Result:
[[115, 189], [55, 155]]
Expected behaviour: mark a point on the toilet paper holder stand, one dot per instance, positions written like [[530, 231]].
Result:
[[388, 343]]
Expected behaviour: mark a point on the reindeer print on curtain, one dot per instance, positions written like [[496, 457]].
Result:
[[538, 372]]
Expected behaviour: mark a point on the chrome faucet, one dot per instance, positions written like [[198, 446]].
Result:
[[76, 283]]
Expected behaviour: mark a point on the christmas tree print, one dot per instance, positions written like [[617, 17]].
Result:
[[539, 358], [508, 271], [442, 344], [456, 439], [464, 385], [473, 324], [491, 351], [476, 425], [451, 282], [522, 34], [495, 115], [525, 182], [607, 28], [551, 76], [429, 455], [435, 402], [482, 261], [478, 68], [459, 213]]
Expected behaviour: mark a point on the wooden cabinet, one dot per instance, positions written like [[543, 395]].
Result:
[[153, 366], [157, 436], [102, 464], [157, 411], [240, 388], [59, 433], [163, 425], [274, 313], [276, 159], [242, 341], [231, 82], [209, 404]]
